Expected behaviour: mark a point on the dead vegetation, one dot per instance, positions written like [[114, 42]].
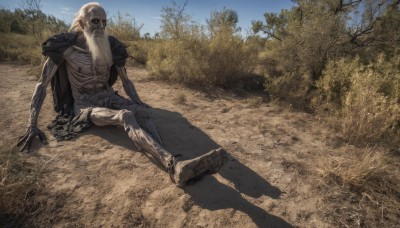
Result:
[[180, 99], [19, 183], [363, 186]]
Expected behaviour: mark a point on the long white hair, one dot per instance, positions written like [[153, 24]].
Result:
[[99, 47], [80, 15]]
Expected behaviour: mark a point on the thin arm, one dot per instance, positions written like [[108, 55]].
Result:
[[128, 85], [49, 69]]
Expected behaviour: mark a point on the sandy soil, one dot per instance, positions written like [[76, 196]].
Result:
[[100, 179]]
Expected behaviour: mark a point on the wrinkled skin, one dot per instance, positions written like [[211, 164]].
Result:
[[26, 139], [32, 131], [88, 77], [95, 22]]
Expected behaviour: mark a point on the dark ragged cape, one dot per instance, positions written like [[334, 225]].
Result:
[[65, 125]]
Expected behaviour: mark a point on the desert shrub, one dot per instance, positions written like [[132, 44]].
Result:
[[22, 48], [335, 84], [229, 58], [124, 27], [369, 115], [366, 97], [288, 84], [179, 60], [17, 47], [33, 56], [139, 49], [257, 42], [301, 45], [188, 54], [200, 60]]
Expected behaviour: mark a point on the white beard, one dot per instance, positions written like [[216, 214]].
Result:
[[99, 48]]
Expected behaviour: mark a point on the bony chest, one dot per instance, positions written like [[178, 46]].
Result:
[[83, 64]]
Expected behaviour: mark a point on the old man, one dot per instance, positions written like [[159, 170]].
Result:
[[82, 66]]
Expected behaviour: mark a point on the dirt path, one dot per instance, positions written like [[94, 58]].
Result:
[[100, 179]]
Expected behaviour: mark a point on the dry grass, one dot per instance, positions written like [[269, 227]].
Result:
[[369, 114], [18, 186], [180, 99], [139, 49], [254, 102], [22, 48], [372, 178], [263, 128], [365, 97], [359, 171], [17, 47]]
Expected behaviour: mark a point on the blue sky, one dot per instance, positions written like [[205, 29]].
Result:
[[148, 12]]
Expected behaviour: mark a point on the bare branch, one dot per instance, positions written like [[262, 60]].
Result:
[[350, 3], [394, 4], [374, 17], [340, 7]]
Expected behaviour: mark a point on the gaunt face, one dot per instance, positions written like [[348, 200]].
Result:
[[95, 22]]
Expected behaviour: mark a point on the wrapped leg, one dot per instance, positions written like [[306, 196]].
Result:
[[126, 118], [180, 171]]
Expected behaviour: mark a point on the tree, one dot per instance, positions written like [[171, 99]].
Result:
[[387, 32], [35, 18], [55, 25], [317, 30], [274, 26], [147, 36], [226, 19], [6, 19], [125, 27], [174, 20]]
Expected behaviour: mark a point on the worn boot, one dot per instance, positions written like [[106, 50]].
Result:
[[189, 169]]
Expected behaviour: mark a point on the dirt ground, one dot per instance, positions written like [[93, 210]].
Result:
[[99, 179]]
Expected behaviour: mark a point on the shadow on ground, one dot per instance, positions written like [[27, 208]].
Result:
[[181, 137], [186, 141]]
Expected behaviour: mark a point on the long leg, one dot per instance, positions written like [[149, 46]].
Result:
[[144, 120], [142, 139], [141, 115], [181, 171]]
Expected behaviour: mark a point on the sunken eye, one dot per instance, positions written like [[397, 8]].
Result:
[[95, 21]]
